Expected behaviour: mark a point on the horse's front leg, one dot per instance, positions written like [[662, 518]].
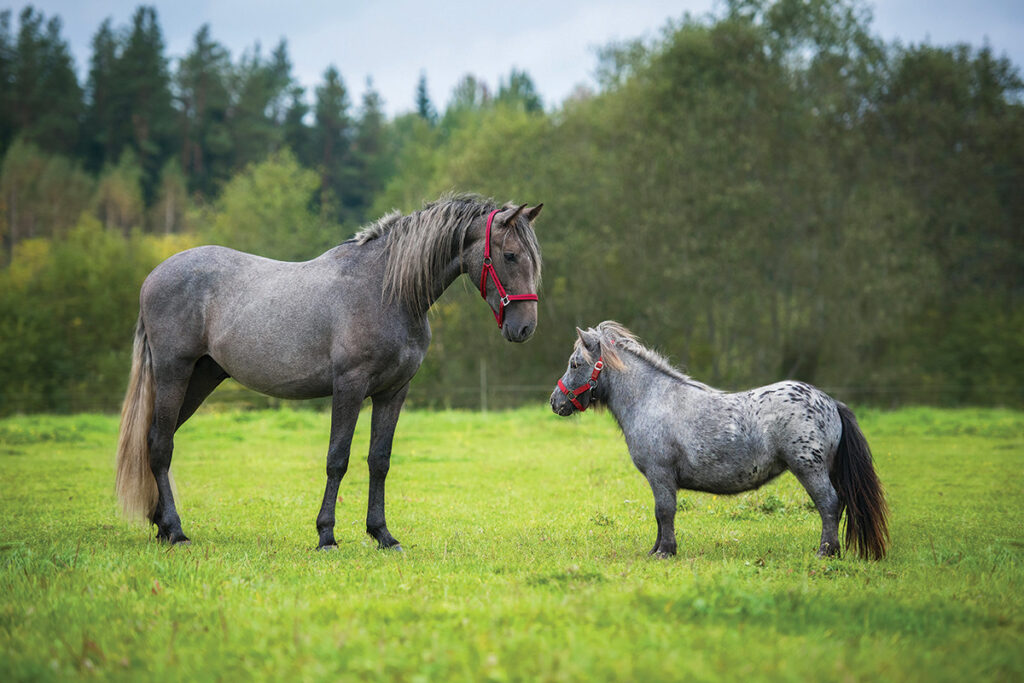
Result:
[[344, 414], [663, 486], [386, 408]]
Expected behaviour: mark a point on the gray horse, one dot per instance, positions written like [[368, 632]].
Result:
[[350, 324], [682, 434]]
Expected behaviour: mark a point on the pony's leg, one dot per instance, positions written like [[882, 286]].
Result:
[[386, 409], [172, 379], [815, 480], [206, 376], [344, 414], [663, 486]]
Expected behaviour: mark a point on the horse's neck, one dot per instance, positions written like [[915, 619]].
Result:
[[456, 265], [453, 265], [634, 389]]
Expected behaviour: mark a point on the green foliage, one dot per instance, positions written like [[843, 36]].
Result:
[[543, 577], [770, 192], [266, 209], [41, 195], [118, 203], [204, 103], [45, 99], [67, 312]]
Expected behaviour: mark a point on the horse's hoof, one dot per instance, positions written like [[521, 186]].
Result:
[[180, 542], [325, 548], [396, 548]]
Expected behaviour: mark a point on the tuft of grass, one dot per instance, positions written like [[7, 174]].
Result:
[[526, 538]]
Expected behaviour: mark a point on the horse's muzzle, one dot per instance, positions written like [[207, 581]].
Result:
[[517, 332]]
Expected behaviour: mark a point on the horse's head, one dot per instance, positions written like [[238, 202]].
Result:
[[508, 263], [578, 388]]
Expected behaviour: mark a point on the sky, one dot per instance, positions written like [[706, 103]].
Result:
[[394, 41]]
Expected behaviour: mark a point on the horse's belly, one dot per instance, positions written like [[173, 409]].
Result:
[[284, 384], [730, 471], [275, 366]]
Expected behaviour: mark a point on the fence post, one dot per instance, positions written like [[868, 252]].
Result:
[[483, 385]]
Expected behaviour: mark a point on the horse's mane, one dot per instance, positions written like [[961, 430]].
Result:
[[420, 245], [615, 337]]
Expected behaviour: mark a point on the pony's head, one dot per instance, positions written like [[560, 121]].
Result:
[[585, 380], [506, 263]]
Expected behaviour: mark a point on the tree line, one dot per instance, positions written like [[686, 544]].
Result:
[[769, 192]]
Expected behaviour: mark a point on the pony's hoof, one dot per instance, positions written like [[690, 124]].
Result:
[[396, 548], [181, 542], [326, 548]]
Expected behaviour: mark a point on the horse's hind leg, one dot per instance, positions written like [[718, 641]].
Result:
[[206, 376], [815, 479], [172, 381]]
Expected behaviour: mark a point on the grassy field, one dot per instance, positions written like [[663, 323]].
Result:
[[526, 539]]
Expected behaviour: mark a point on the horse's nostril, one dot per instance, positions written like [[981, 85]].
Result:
[[526, 331]]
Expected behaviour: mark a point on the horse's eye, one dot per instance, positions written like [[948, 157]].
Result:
[[575, 364], [510, 257]]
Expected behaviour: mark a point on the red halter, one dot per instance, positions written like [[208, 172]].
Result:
[[504, 298], [580, 390]]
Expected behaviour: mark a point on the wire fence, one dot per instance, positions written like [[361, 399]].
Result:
[[486, 396]]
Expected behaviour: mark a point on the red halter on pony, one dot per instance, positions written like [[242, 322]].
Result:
[[504, 298], [583, 388]]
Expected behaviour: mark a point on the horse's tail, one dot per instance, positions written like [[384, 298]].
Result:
[[860, 493], [136, 485]]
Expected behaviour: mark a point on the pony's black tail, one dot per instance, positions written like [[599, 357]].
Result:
[[860, 493]]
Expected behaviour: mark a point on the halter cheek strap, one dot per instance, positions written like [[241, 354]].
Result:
[[504, 299], [584, 388]]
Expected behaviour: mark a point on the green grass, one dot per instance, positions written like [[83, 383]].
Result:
[[526, 539]]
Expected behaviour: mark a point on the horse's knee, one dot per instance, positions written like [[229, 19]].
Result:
[[379, 464]]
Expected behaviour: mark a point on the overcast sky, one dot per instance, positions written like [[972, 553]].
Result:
[[554, 41]]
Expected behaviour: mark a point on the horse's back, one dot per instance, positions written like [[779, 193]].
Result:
[[799, 420]]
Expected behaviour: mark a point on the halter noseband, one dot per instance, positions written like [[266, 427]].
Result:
[[504, 299], [584, 388]]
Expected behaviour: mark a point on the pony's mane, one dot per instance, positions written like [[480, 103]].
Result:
[[615, 337], [420, 245]]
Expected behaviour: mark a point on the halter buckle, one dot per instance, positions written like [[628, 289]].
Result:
[[487, 260], [505, 300]]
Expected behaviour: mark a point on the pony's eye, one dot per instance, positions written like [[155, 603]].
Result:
[[510, 257], [575, 364]]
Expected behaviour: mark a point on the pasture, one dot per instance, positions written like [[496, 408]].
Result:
[[526, 540]]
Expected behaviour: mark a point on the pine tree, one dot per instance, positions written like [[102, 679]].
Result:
[[260, 87], [7, 61], [104, 137], [424, 107], [204, 102], [144, 90], [47, 100], [297, 134], [332, 137]]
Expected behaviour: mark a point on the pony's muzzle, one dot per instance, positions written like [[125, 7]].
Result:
[[559, 404]]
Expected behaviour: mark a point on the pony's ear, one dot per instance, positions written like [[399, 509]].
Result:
[[589, 337], [510, 218], [531, 214]]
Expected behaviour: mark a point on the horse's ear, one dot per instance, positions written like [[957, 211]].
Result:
[[531, 214], [511, 218]]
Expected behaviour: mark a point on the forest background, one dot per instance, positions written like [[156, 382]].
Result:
[[771, 191]]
